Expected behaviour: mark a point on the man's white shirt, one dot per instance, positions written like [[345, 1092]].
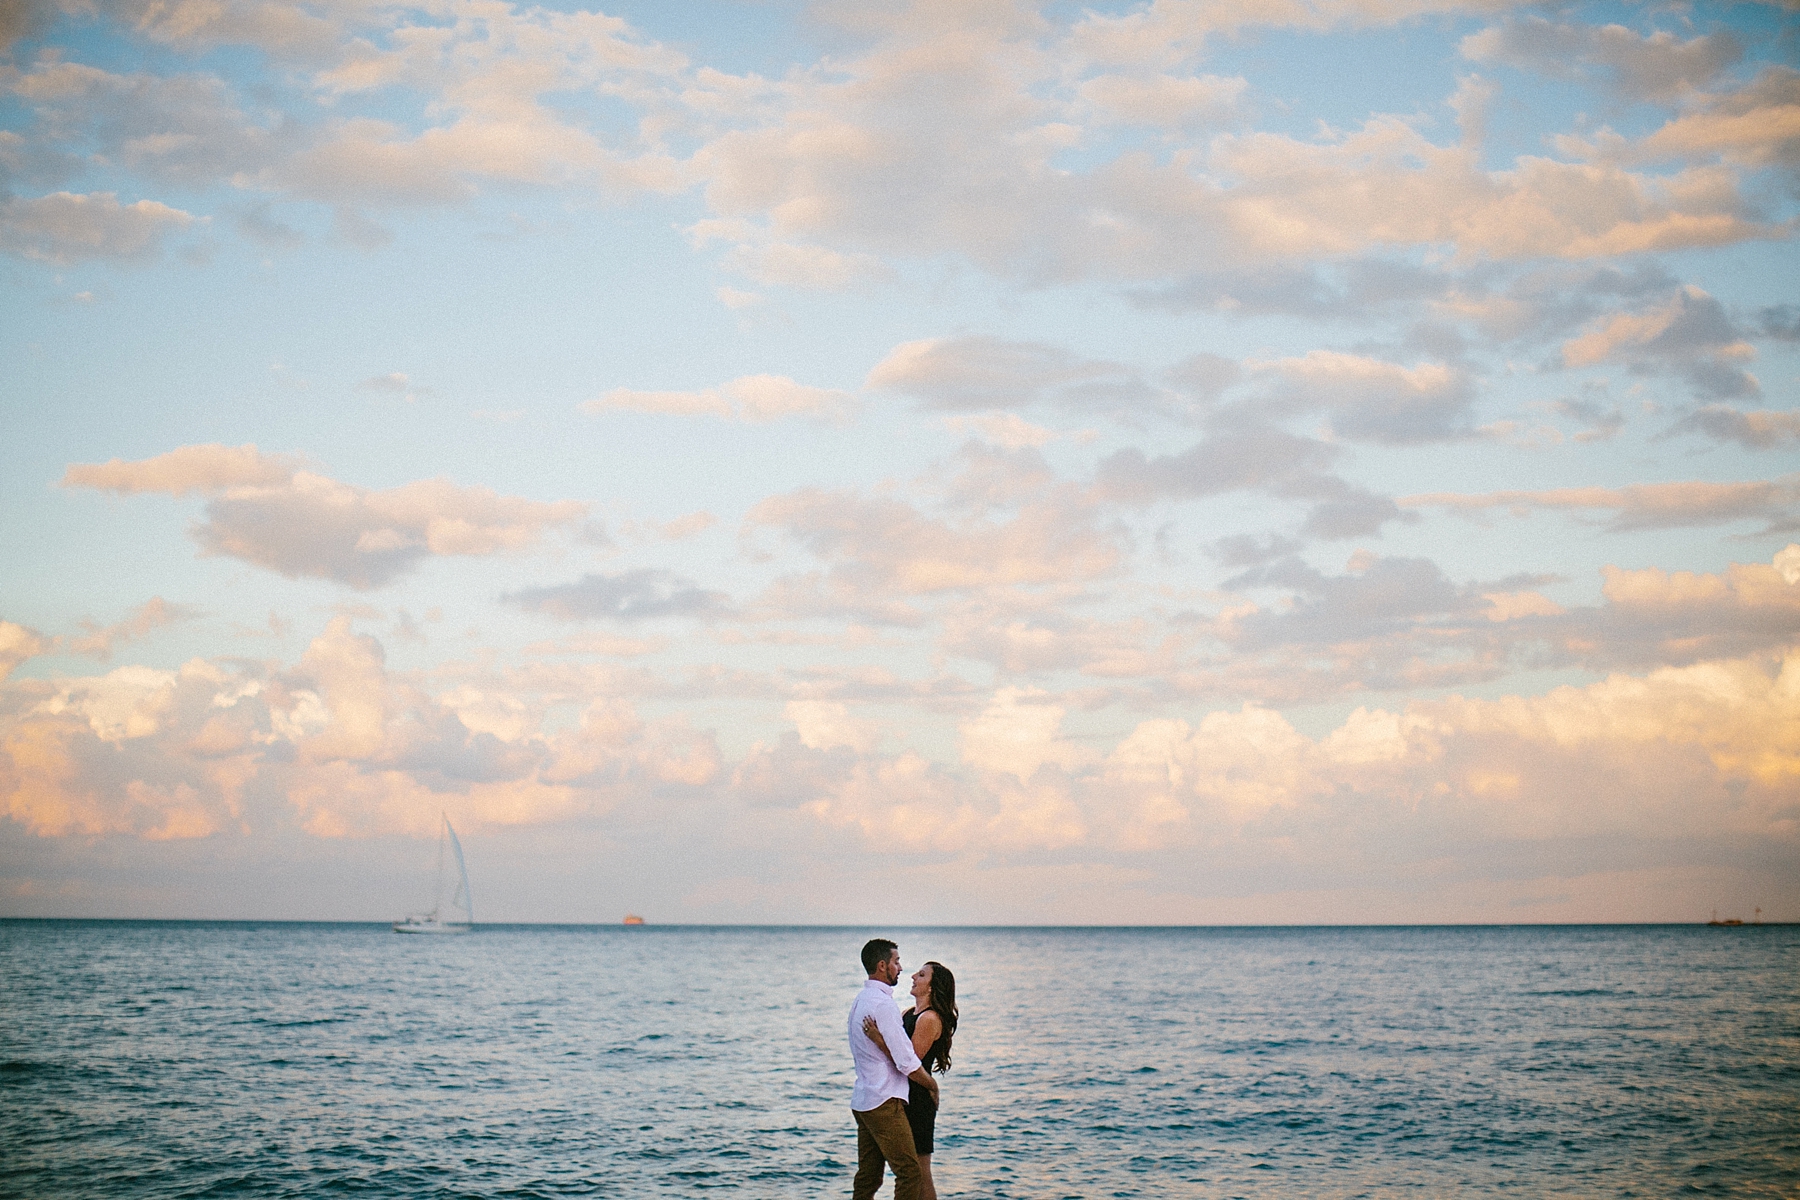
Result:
[[879, 1078]]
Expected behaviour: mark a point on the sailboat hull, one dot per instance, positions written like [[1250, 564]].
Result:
[[429, 927]]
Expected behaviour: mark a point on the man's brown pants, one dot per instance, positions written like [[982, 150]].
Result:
[[882, 1135]]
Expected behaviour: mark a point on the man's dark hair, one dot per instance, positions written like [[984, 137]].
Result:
[[875, 952]]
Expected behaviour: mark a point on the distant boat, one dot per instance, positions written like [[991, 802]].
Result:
[[462, 904], [1731, 922], [633, 919]]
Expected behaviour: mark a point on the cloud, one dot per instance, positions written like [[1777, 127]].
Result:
[[18, 644], [969, 374], [177, 129], [1664, 755], [1659, 66], [1004, 429], [1389, 595], [486, 94], [1639, 505], [1787, 563], [395, 383], [1390, 624], [949, 133], [1018, 732], [1164, 101], [1755, 430], [154, 614], [201, 468], [912, 153], [827, 725], [22, 19], [690, 525], [1254, 456], [265, 510], [1657, 617], [1757, 125], [1692, 760], [752, 398], [1376, 401], [639, 595], [1600, 422], [283, 30], [1250, 457], [1387, 185], [1025, 639], [337, 744], [1358, 290], [64, 227], [1781, 322], [1174, 30], [1690, 334], [882, 546]]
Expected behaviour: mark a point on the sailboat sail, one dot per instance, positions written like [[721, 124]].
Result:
[[463, 901], [462, 905]]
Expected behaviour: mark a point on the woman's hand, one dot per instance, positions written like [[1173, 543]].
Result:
[[873, 1032]]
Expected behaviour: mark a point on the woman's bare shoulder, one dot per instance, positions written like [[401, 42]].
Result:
[[930, 1017]]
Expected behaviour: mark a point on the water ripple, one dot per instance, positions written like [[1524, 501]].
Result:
[[246, 1060]]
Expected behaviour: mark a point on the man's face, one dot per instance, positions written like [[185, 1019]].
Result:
[[890, 970]]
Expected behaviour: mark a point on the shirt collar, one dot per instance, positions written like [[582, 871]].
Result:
[[887, 987]]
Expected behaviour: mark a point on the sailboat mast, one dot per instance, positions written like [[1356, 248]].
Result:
[[437, 891]]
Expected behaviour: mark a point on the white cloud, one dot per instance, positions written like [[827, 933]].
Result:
[[883, 546], [1004, 429], [64, 227], [1164, 101], [1017, 733], [751, 398], [267, 511], [1653, 67], [185, 469], [972, 373], [1377, 401], [152, 615], [1638, 505], [17, 645], [1690, 334], [826, 725]]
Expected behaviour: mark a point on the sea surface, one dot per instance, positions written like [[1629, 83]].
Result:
[[166, 1059]]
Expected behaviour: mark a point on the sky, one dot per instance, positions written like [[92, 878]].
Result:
[[962, 461]]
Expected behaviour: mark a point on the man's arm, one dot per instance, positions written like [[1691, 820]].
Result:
[[887, 1019]]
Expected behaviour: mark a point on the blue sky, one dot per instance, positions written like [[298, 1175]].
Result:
[[1178, 462]]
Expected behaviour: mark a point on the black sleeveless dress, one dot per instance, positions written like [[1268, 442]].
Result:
[[921, 1109]]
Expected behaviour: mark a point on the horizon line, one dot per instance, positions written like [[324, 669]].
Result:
[[698, 925]]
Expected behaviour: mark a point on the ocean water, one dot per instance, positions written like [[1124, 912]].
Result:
[[221, 1060]]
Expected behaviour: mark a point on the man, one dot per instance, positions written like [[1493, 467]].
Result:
[[879, 1101]]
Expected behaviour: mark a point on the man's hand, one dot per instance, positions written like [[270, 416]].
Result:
[[924, 1079]]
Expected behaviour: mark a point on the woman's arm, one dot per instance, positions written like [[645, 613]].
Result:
[[925, 1032], [873, 1032]]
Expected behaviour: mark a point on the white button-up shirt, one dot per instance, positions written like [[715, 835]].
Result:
[[879, 1078]]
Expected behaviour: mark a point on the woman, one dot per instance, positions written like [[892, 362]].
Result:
[[931, 1023]]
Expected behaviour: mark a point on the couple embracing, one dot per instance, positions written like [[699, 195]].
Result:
[[896, 1099]]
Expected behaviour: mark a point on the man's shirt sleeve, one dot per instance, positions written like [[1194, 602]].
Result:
[[887, 1019]]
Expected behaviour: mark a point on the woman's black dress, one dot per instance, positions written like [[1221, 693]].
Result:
[[921, 1109]]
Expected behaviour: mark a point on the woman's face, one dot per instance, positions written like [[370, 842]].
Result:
[[921, 984]]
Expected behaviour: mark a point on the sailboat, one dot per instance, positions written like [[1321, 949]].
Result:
[[462, 904]]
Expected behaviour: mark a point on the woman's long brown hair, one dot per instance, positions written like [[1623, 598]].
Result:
[[943, 1003]]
